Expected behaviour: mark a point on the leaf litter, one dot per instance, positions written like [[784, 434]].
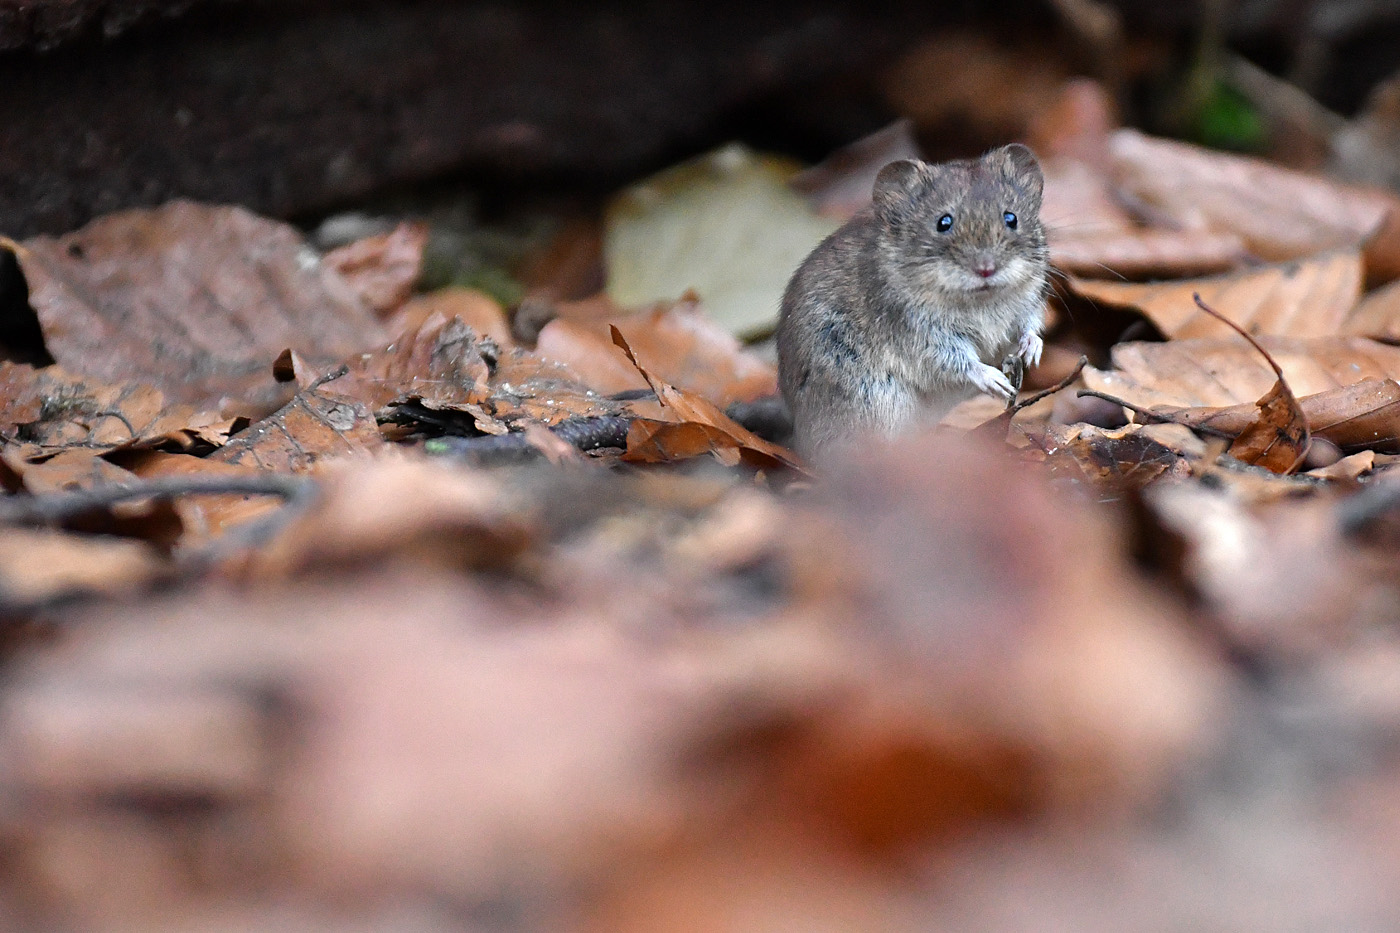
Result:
[[269, 658]]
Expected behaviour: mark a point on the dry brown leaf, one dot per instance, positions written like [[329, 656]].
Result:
[[1279, 576], [370, 511], [41, 470], [195, 300], [589, 354], [382, 269], [1281, 214], [1365, 414], [699, 428], [1310, 298], [1348, 469], [315, 425], [527, 388], [1277, 438], [1130, 457], [1144, 254], [38, 566], [41, 473], [1080, 202], [55, 409], [207, 516], [1210, 373], [1378, 315], [1382, 250], [443, 364], [948, 80], [1076, 125], [1020, 622], [478, 310], [681, 344]]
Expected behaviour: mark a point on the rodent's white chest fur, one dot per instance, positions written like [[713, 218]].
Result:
[[993, 323]]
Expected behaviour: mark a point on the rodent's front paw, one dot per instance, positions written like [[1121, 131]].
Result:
[[1030, 347], [993, 381]]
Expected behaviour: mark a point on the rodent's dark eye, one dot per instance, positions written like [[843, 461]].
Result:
[[945, 223], [1010, 220]]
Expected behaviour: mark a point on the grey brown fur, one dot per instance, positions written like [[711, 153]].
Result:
[[890, 322]]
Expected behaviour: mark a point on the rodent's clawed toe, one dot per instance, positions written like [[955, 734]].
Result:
[[992, 381], [1030, 348]]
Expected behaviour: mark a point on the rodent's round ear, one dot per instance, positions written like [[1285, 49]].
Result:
[[1021, 167], [898, 186]]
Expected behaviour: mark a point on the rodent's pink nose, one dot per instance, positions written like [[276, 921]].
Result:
[[985, 269]]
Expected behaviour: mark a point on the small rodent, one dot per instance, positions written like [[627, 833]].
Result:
[[916, 302]]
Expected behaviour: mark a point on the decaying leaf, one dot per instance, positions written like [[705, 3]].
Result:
[[1130, 457], [529, 388], [1308, 298], [478, 310], [382, 269], [442, 364], [1281, 214], [38, 566], [1278, 437], [54, 408], [681, 344], [697, 427], [1211, 373], [316, 424], [1365, 414], [193, 299]]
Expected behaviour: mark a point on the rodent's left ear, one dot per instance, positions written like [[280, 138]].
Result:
[[898, 186], [1020, 165]]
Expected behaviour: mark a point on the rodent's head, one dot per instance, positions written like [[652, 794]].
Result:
[[970, 226]]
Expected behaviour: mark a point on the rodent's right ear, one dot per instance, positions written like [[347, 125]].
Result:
[[898, 187]]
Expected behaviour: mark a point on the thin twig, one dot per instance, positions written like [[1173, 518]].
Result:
[[331, 376], [581, 433], [1045, 393], [1283, 383], [1196, 296], [1155, 417], [57, 507], [257, 532]]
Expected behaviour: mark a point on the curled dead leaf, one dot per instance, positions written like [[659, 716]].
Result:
[[1278, 437], [1363, 415], [698, 427]]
